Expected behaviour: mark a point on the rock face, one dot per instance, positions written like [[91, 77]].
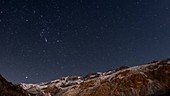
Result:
[[9, 89], [146, 80]]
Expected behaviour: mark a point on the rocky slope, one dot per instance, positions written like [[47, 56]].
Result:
[[9, 89], [146, 80]]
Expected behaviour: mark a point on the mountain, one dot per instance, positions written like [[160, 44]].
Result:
[[151, 79], [9, 89]]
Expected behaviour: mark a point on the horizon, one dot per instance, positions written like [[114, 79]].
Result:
[[82, 76]]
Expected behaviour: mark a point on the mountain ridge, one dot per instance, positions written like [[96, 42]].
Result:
[[148, 79], [152, 79]]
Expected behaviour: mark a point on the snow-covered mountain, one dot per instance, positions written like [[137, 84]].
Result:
[[151, 79], [145, 80]]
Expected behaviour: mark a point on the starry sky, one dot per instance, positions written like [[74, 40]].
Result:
[[42, 40]]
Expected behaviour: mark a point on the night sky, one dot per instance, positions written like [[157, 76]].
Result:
[[42, 40]]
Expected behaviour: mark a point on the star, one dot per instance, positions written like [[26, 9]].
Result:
[[58, 41], [46, 40], [26, 20]]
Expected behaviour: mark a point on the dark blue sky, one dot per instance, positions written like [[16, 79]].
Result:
[[41, 40]]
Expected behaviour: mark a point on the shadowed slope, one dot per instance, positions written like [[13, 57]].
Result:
[[9, 89]]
